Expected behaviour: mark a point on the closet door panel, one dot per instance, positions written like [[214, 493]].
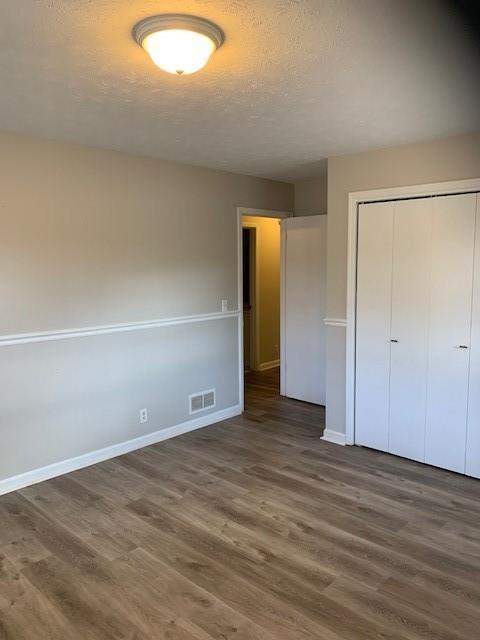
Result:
[[374, 280], [453, 228], [410, 324], [473, 429]]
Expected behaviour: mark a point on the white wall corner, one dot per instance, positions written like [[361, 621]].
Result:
[[336, 437]]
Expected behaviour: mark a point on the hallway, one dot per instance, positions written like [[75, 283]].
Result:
[[263, 402]]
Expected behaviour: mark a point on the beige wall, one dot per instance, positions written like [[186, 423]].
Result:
[[454, 158], [92, 237], [311, 195], [267, 330]]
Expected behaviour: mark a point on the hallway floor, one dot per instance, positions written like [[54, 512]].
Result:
[[263, 380], [263, 402]]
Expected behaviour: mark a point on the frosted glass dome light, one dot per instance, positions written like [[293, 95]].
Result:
[[178, 44]]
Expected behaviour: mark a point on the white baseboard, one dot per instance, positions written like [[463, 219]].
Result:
[[264, 366], [334, 436], [79, 462]]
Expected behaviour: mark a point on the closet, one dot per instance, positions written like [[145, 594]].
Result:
[[417, 383]]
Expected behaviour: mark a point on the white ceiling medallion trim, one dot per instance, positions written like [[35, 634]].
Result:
[[150, 25]]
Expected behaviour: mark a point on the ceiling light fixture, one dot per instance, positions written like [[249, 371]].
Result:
[[178, 43]]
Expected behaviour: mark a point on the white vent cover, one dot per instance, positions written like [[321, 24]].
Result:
[[209, 399], [202, 400]]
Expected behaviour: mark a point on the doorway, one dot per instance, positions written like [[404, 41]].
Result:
[[281, 299], [261, 300], [248, 251]]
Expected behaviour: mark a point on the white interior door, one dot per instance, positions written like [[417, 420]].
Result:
[[410, 325], [374, 296], [473, 429], [304, 308], [453, 233]]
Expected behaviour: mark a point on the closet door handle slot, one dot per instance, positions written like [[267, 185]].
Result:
[[462, 346]]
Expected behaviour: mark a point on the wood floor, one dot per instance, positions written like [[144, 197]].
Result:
[[251, 529]]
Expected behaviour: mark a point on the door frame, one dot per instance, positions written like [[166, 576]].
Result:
[[356, 198], [260, 213]]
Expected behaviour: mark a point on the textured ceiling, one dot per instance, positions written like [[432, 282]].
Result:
[[296, 80]]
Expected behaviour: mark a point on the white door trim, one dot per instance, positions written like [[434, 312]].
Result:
[[354, 199], [261, 213], [264, 213]]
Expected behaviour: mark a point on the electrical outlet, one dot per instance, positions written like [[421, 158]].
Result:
[[224, 306], [143, 416]]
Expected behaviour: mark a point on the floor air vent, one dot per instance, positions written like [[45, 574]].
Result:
[[202, 400]]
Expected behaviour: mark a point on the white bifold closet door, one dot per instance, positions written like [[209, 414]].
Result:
[[392, 326], [453, 236], [374, 295], [417, 350], [409, 328], [473, 427]]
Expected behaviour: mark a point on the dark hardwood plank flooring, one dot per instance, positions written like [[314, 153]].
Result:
[[250, 529]]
